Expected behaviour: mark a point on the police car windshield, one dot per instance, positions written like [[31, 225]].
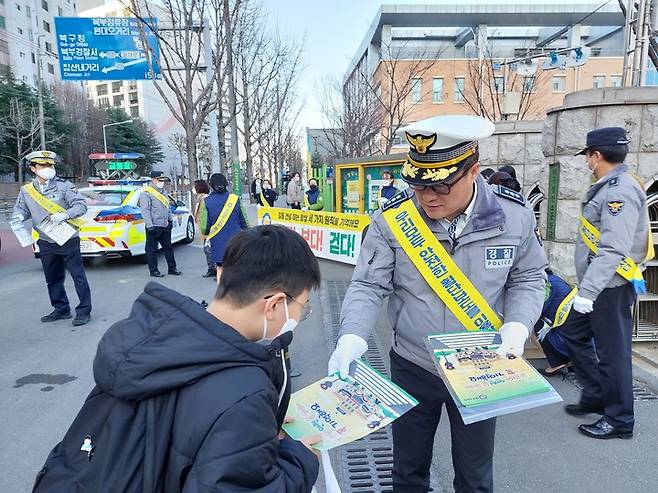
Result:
[[104, 197]]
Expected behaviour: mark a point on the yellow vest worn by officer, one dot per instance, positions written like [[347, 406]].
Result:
[[496, 247], [154, 205], [57, 190]]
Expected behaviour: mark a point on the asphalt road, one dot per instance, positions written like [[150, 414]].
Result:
[[45, 374]]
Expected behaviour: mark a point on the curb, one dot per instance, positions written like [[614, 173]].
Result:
[[649, 377]]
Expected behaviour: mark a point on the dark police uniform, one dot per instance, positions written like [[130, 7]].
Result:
[[616, 205], [57, 259]]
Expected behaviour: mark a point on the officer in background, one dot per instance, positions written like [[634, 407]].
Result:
[[50, 196], [388, 191], [614, 240], [489, 235], [313, 200], [158, 220]]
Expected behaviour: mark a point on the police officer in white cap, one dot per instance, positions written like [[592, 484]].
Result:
[[463, 227], [53, 197], [614, 241]]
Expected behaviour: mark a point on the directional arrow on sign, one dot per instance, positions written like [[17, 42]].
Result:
[[122, 66], [109, 54]]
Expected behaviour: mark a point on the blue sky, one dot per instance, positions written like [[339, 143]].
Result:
[[334, 29]]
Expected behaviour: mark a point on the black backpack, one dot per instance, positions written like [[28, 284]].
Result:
[[112, 446]]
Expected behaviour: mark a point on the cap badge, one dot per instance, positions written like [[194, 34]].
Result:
[[421, 143]]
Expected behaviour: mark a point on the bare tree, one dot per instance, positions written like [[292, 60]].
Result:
[[178, 142]]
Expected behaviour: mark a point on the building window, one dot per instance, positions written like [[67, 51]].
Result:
[[20, 31], [101, 89], [460, 85], [21, 54], [44, 5], [34, 58], [437, 90], [3, 25], [49, 47], [132, 85], [598, 82], [529, 84], [134, 111], [117, 100], [559, 83], [615, 80], [133, 98], [116, 86], [28, 11], [60, 12], [51, 69], [416, 90], [46, 26], [18, 7], [104, 102], [499, 84]]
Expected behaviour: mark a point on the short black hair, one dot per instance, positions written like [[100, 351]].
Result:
[[613, 154], [508, 169], [218, 182], [200, 186], [266, 259], [387, 172], [487, 172]]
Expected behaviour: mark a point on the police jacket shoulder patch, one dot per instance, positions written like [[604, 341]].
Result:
[[396, 200], [613, 182], [508, 194]]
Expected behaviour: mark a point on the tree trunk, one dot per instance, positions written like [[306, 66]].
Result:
[[192, 166]]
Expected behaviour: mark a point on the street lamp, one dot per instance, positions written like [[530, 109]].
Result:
[[112, 125]]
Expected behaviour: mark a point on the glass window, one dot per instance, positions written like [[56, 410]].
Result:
[[117, 100], [46, 26], [51, 68], [437, 90], [101, 89], [116, 86], [18, 7], [132, 85], [3, 25], [104, 102], [104, 197], [598, 82], [499, 84], [134, 111], [34, 58], [44, 5], [559, 83], [416, 90], [529, 84], [28, 11], [133, 98], [49, 47], [460, 84], [30, 34], [21, 54], [615, 80]]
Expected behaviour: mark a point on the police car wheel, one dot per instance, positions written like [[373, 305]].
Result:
[[189, 231]]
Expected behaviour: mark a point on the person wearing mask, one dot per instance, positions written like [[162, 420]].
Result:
[[388, 191], [268, 196], [256, 187], [158, 220], [448, 226], [313, 197], [614, 242], [220, 217], [294, 193], [201, 190], [49, 196]]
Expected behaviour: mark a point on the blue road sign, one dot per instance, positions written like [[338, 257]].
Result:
[[105, 48]]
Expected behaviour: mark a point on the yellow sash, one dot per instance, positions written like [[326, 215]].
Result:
[[264, 200], [49, 205], [157, 195], [436, 266], [224, 215], [627, 267], [564, 308]]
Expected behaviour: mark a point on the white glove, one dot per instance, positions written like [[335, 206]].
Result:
[[18, 217], [582, 305], [59, 217], [544, 330], [350, 347], [305, 208], [514, 335]]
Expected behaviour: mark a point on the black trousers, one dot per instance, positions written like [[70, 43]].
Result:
[[162, 236], [296, 206], [56, 260], [413, 436], [608, 380]]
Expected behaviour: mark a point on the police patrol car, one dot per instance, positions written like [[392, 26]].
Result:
[[114, 224]]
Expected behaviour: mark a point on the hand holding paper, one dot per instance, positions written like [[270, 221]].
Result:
[[350, 347], [514, 335]]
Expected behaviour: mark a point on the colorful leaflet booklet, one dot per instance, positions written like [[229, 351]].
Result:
[[345, 410], [483, 383]]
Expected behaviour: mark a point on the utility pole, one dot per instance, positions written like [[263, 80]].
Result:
[[212, 116], [42, 120]]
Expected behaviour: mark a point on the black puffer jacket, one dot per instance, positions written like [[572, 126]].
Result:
[[226, 416]]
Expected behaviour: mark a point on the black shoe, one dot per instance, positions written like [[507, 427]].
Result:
[[581, 409], [157, 273], [174, 272], [81, 320], [210, 273], [55, 315], [604, 430]]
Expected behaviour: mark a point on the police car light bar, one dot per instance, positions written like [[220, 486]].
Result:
[[115, 155]]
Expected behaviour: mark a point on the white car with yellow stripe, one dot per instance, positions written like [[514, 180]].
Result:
[[114, 226]]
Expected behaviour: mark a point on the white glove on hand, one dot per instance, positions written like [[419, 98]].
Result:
[[59, 217], [544, 330], [18, 217], [305, 209], [514, 335], [350, 347], [582, 305]]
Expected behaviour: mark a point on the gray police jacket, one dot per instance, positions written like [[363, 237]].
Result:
[[617, 207], [513, 288], [60, 191], [154, 212]]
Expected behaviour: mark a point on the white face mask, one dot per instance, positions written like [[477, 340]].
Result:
[[47, 173], [288, 326], [266, 186], [159, 184]]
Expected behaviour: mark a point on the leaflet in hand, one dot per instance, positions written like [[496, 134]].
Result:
[[345, 410], [22, 235], [482, 383], [59, 233]]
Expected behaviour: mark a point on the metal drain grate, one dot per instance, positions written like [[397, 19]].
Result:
[[365, 465], [640, 391]]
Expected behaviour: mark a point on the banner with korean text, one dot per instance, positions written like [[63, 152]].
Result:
[[330, 235]]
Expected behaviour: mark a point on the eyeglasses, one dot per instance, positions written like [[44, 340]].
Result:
[[441, 188], [306, 307]]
